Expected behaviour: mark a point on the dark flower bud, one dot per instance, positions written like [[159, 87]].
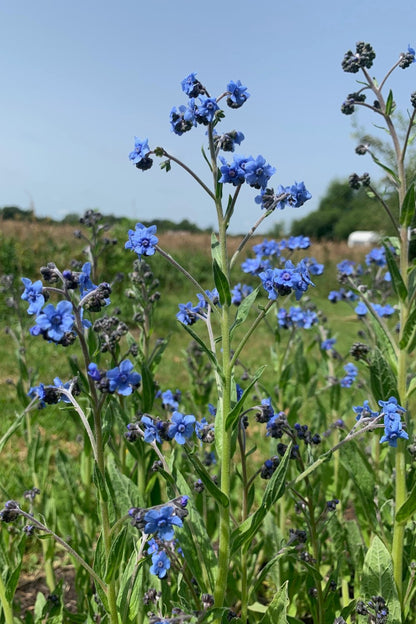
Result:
[[157, 465], [361, 149], [10, 512], [316, 439], [347, 107], [356, 97], [354, 181], [376, 104], [68, 339], [407, 58], [145, 163], [361, 608], [29, 529], [313, 592], [51, 395], [269, 467], [265, 413], [365, 179], [151, 596], [359, 351], [137, 517], [297, 535], [413, 99], [332, 504], [199, 486], [207, 601], [30, 494], [307, 557], [49, 273]]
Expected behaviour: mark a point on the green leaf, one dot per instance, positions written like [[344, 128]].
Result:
[[125, 493], [396, 278], [236, 411], [356, 464], [244, 309], [148, 389], [277, 609], [378, 579], [99, 482], [383, 341], [274, 490], [390, 172], [389, 103], [408, 508], [408, 330], [383, 381], [130, 596], [408, 208], [206, 479], [221, 284], [115, 555], [11, 430]]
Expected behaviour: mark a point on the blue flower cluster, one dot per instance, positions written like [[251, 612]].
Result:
[[294, 196], [382, 310], [284, 281], [350, 376], [189, 314], [240, 292], [392, 411], [296, 317], [342, 295], [255, 171], [121, 379]]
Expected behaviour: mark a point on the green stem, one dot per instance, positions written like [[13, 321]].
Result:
[[7, 606]]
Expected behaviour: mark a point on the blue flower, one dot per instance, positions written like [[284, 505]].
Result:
[[346, 267], [94, 372], [161, 522], [139, 156], [361, 309], [258, 172], [393, 428], [33, 294], [228, 141], [85, 283], [191, 86], [240, 292], [376, 256], [38, 392], [351, 373], [151, 432], [233, 173], [188, 314], [182, 427], [206, 109], [55, 322], [142, 240], [170, 400], [59, 384], [160, 565], [122, 378], [298, 194], [364, 411], [238, 94], [328, 344], [182, 119]]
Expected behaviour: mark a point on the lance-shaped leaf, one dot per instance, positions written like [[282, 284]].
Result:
[[244, 309], [408, 508], [389, 103], [408, 330], [221, 284], [389, 171], [383, 381], [206, 479], [407, 212], [396, 278]]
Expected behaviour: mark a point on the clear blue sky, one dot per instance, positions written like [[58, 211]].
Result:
[[79, 79]]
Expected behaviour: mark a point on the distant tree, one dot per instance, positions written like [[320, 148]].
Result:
[[13, 213]]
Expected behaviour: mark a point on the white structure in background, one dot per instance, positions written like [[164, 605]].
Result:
[[363, 238]]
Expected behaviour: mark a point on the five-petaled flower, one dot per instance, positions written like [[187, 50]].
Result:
[[33, 294], [54, 322], [160, 564], [142, 240], [393, 428], [161, 522], [139, 156], [182, 427], [122, 378]]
